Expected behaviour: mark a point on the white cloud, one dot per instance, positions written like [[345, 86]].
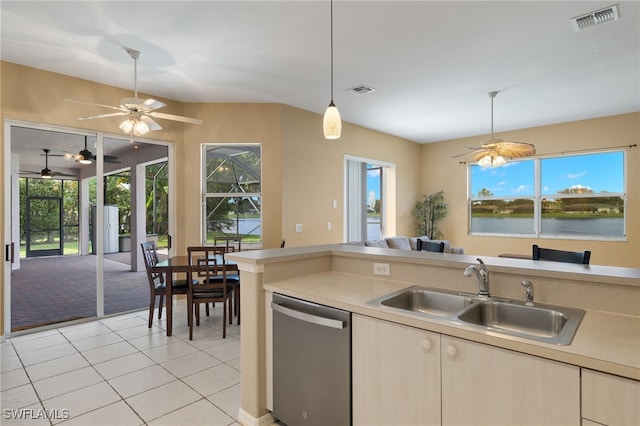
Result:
[[577, 175]]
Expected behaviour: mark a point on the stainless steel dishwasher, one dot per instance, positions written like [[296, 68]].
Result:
[[311, 363]]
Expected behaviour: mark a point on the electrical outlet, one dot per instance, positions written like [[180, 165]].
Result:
[[298, 227], [381, 269], [328, 226]]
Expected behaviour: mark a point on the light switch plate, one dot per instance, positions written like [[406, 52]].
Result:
[[298, 227]]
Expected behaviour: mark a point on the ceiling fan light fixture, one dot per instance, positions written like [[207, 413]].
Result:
[[127, 125], [140, 128], [491, 161], [332, 123], [135, 126], [85, 156], [46, 173], [496, 152]]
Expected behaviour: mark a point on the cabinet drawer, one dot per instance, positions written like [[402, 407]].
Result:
[[610, 400]]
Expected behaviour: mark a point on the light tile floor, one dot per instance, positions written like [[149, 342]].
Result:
[[117, 372]]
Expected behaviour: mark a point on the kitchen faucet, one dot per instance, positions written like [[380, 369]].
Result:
[[483, 277], [529, 289]]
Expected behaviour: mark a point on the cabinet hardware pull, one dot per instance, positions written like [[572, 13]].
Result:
[[452, 351], [426, 344]]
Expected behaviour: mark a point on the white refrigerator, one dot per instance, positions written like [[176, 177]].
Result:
[[111, 228]]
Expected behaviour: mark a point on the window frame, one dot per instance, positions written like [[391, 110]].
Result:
[[538, 198], [206, 195]]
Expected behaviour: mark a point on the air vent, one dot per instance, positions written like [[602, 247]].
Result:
[[592, 19], [361, 89]]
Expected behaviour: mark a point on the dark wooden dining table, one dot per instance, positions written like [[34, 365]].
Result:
[[178, 264]]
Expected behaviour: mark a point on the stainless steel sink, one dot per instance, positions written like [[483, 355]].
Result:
[[545, 323], [425, 301], [551, 324]]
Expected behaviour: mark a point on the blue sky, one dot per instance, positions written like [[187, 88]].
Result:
[[373, 182], [600, 172]]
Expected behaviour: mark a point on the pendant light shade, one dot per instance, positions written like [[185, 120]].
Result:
[[332, 123]]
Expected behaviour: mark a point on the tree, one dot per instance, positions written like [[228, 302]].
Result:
[[157, 202], [429, 212], [484, 192]]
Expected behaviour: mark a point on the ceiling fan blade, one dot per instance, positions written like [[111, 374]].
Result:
[[112, 114], [460, 155], [111, 159], [475, 150], [151, 104], [152, 124], [54, 173], [93, 103], [477, 157], [174, 117]]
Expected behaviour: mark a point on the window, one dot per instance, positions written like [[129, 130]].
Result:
[[369, 199], [556, 197], [232, 193], [374, 202]]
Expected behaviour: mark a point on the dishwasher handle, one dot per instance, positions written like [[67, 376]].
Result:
[[303, 316]]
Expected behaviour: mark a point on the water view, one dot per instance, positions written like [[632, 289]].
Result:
[[605, 227]]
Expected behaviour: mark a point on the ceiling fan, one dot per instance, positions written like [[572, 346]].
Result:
[[46, 173], [496, 152], [85, 156], [140, 112]]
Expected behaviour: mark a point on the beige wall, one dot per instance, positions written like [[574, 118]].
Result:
[[313, 176], [441, 172], [234, 124]]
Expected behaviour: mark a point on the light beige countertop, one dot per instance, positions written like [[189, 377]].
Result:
[[608, 338], [604, 341]]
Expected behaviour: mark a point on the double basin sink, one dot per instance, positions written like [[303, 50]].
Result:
[[541, 322]]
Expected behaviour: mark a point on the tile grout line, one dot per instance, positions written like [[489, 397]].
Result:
[[103, 378]]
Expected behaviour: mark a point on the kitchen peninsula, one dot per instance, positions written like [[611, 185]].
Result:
[[600, 369]]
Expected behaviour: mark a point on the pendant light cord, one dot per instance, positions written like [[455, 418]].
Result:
[[331, 52]]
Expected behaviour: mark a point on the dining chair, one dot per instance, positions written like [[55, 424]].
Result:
[[230, 243], [157, 282], [581, 257], [215, 284], [434, 246]]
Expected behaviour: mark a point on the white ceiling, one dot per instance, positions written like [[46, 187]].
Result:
[[432, 63]]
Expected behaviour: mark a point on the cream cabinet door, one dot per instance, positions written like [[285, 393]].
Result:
[[484, 385], [396, 374], [610, 400]]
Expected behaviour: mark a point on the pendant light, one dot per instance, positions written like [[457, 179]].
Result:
[[332, 124], [496, 152]]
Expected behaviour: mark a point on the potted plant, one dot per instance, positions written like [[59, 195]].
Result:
[[429, 212]]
